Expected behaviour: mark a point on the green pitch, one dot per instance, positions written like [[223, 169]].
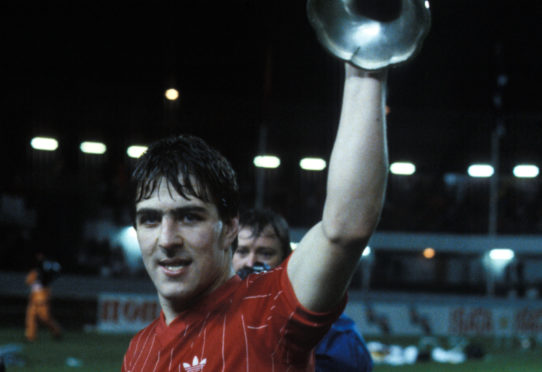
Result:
[[501, 356], [505, 362], [75, 352], [501, 363], [93, 352]]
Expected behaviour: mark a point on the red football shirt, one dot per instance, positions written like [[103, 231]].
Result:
[[252, 325]]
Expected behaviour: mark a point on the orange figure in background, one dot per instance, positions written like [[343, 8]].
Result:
[[38, 309]]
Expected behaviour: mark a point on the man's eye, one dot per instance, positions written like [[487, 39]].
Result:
[[189, 217], [268, 254], [241, 251], [148, 219]]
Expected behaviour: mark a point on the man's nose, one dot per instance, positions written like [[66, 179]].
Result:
[[251, 260], [169, 234]]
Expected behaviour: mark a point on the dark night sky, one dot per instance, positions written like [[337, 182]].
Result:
[[97, 70], [100, 69]]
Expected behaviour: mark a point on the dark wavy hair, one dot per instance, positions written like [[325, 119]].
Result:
[[193, 168], [257, 219]]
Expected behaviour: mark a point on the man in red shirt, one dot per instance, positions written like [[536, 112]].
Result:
[[186, 209]]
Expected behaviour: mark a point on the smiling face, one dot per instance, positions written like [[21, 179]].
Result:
[[184, 245], [264, 248]]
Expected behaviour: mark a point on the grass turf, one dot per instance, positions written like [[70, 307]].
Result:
[[103, 353], [92, 351], [500, 356], [507, 362]]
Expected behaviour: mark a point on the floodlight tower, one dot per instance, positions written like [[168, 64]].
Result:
[[496, 135]]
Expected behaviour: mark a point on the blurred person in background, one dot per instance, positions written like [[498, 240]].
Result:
[[263, 243], [186, 219], [38, 310]]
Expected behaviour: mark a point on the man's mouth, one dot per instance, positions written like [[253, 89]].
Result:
[[174, 266]]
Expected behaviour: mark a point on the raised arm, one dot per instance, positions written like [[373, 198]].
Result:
[[322, 266]]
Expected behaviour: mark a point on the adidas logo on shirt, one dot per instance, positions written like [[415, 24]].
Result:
[[196, 365]]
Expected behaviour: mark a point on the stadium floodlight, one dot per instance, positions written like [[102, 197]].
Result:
[[501, 254], [172, 94], [93, 147], [525, 171], [480, 170], [402, 168], [44, 143], [312, 164], [266, 161], [429, 253], [495, 262], [136, 151]]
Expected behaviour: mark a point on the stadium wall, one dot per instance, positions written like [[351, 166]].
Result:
[[126, 305]]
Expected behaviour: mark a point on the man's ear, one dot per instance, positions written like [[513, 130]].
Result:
[[230, 231]]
